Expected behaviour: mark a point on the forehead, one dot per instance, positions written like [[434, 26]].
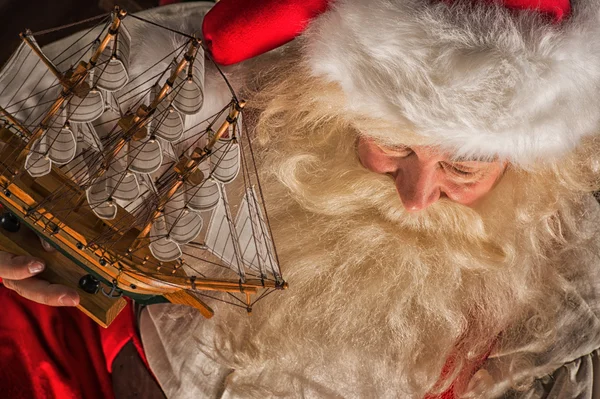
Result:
[[388, 134], [428, 150], [403, 135]]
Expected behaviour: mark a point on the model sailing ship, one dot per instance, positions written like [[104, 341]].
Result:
[[111, 165]]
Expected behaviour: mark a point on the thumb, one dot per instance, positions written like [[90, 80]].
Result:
[[47, 246]]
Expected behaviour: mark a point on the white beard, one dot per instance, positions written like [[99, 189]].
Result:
[[379, 299]]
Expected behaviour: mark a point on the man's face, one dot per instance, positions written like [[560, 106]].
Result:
[[423, 174]]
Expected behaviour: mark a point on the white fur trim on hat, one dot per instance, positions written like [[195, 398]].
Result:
[[478, 79]]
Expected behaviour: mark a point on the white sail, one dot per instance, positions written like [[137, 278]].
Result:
[[82, 167], [219, 240], [167, 122], [147, 191], [112, 70], [122, 184], [86, 109], [105, 124], [221, 237], [161, 246], [225, 159], [254, 238], [62, 145], [56, 145], [110, 102], [204, 196], [188, 89], [145, 155], [167, 150], [27, 87], [117, 183], [249, 241], [37, 162], [184, 225], [97, 196]]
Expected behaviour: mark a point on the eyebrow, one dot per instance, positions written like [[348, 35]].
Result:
[[472, 158], [454, 158]]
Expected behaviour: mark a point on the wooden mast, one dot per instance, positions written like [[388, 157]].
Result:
[[186, 168], [70, 236], [73, 81], [134, 125]]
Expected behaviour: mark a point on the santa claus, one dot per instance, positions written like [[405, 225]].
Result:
[[429, 169]]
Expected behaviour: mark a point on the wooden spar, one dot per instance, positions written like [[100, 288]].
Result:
[[250, 285], [25, 36], [39, 131], [83, 67], [231, 118], [133, 125], [15, 122], [112, 32], [187, 59], [140, 118], [45, 203], [73, 82], [186, 167], [248, 302], [67, 238], [122, 271], [186, 298]]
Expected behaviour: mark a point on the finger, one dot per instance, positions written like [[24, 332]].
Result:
[[43, 292], [46, 245], [16, 267]]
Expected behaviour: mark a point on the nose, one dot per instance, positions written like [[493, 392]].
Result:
[[418, 185]]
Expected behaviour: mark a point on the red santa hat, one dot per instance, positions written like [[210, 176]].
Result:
[[519, 79]]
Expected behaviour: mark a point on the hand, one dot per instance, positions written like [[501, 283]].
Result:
[[17, 274]]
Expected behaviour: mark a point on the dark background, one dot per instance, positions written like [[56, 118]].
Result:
[[37, 15]]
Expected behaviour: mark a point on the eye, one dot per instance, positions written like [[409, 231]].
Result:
[[460, 170], [395, 151]]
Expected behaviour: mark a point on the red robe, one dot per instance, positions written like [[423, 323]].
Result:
[[60, 353], [48, 353]]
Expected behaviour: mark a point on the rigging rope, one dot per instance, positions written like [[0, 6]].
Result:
[[162, 26], [85, 176], [46, 31]]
